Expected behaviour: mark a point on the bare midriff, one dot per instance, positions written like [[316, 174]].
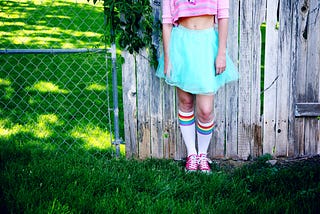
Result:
[[197, 22]]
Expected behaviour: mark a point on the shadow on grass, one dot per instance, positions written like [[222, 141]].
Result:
[[51, 24], [58, 102]]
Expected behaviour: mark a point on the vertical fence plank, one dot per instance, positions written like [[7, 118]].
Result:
[[232, 89], [156, 90], [143, 107], [301, 27], [129, 92], [292, 148], [259, 12], [217, 144], [284, 77], [316, 57], [181, 149], [270, 79], [169, 121], [249, 83], [312, 74], [245, 69]]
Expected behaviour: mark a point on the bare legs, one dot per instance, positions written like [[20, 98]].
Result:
[[204, 109], [196, 160]]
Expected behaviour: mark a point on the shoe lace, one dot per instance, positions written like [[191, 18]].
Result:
[[192, 161], [204, 161]]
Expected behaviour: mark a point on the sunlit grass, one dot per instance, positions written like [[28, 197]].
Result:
[[6, 132], [59, 101], [36, 36], [96, 87], [56, 101], [5, 82], [51, 24], [47, 87], [41, 128], [94, 137]]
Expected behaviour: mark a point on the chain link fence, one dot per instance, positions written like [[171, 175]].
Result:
[[55, 76]]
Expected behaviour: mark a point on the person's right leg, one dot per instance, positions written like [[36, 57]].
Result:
[[187, 127], [204, 129]]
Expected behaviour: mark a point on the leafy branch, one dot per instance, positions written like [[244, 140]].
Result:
[[130, 23]]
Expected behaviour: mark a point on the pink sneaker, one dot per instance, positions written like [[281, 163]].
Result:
[[204, 163], [192, 163]]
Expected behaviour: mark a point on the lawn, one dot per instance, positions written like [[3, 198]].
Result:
[[56, 101], [38, 181], [56, 133]]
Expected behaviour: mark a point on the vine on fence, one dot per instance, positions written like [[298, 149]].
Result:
[[130, 23]]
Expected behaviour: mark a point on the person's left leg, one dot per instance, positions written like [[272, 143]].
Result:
[[205, 124]]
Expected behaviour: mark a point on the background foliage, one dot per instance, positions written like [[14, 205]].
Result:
[[130, 23]]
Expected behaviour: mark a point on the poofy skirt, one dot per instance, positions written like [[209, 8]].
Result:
[[192, 55]]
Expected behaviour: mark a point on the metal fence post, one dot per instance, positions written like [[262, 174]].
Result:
[[115, 99]]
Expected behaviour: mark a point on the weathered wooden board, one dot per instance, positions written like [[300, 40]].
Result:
[[156, 92], [251, 17], [232, 90], [143, 104], [245, 69], [301, 26], [259, 17], [292, 148], [129, 92], [313, 74], [270, 78], [217, 145], [284, 77], [307, 110], [170, 120]]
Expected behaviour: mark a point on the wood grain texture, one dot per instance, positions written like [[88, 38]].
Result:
[[312, 74], [156, 90], [251, 17], [143, 104], [270, 79], [301, 42], [307, 110], [284, 78], [232, 90], [288, 125], [129, 93]]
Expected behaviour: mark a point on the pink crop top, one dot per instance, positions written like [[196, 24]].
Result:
[[172, 10]]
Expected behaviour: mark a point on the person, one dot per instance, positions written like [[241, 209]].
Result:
[[195, 61]]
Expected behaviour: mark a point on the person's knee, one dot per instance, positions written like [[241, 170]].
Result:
[[205, 115], [186, 104]]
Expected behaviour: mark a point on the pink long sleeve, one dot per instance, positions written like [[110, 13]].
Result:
[[223, 9], [166, 12], [172, 10]]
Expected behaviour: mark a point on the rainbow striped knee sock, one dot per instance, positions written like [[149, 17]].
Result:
[[187, 127], [204, 134]]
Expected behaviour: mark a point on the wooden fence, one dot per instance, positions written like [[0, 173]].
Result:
[[275, 111]]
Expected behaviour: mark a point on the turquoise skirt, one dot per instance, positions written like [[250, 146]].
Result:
[[192, 56]]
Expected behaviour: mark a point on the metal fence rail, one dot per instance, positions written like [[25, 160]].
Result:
[[53, 51]]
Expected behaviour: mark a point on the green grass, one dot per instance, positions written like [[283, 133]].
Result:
[[56, 101], [50, 24], [38, 181]]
